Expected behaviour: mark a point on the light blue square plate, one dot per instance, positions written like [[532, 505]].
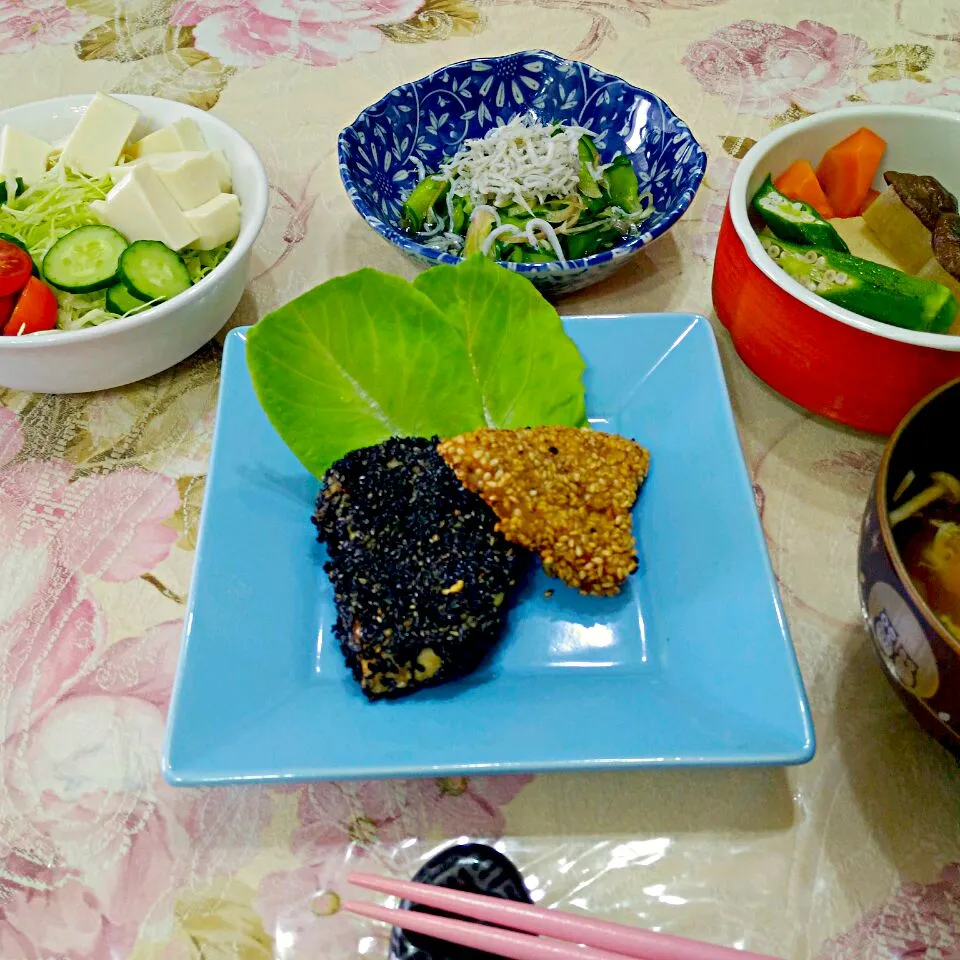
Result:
[[691, 665]]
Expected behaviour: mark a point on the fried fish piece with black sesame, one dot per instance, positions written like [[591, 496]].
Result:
[[422, 580], [563, 492]]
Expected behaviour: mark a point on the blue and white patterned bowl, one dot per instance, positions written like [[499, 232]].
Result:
[[428, 120]]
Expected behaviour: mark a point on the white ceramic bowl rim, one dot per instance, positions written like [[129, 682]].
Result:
[[256, 208], [739, 202]]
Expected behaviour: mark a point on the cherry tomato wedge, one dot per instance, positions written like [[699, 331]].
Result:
[[36, 310], [15, 268], [6, 308]]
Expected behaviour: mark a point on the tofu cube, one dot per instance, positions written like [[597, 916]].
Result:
[[97, 140], [170, 160], [22, 155], [141, 208], [193, 181], [226, 175], [186, 173], [183, 134], [215, 222]]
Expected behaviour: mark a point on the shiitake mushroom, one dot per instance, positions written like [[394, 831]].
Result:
[[946, 243], [924, 196]]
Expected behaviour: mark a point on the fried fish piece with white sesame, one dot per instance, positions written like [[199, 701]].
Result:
[[563, 492]]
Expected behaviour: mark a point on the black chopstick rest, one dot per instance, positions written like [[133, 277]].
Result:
[[470, 867]]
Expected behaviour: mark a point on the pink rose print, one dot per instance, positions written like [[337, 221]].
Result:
[[347, 827], [920, 921], [944, 95], [764, 68], [470, 806], [344, 813], [388, 812], [25, 24], [301, 908], [82, 786], [322, 33], [718, 179], [99, 838]]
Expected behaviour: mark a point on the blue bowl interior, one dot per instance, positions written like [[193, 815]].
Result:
[[428, 119]]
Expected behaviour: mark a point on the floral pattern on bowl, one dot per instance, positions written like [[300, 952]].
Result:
[[426, 121]]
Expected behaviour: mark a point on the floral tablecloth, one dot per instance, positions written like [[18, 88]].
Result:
[[855, 855]]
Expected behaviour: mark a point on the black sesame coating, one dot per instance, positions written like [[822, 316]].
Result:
[[422, 581]]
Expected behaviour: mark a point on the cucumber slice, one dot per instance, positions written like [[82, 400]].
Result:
[[623, 186], [481, 226], [85, 259], [121, 301], [16, 241], [150, 270], [425, 196], [589, 157]]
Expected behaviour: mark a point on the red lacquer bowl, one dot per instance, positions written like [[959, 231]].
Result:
[[830, 361]]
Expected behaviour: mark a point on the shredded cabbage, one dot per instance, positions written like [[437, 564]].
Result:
[[60, 202]]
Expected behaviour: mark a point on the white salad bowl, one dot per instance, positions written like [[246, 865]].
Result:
[[131, 348]]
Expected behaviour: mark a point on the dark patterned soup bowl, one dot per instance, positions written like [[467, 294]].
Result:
[[385, 152], [910, 563]]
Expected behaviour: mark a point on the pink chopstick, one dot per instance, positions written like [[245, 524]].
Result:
[[612, 941], [501, 943]]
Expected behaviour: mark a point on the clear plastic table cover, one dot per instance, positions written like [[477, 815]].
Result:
[[851, 856]]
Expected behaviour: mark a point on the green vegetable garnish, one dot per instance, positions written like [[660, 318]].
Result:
[[425, 195], [623, 186], [481, 226], [368, 356], [589, 161], [795, 221], [526, 171], [870, 289]]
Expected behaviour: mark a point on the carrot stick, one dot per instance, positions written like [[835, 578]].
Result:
[[847, 170], [871, 196], [799, 182]]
